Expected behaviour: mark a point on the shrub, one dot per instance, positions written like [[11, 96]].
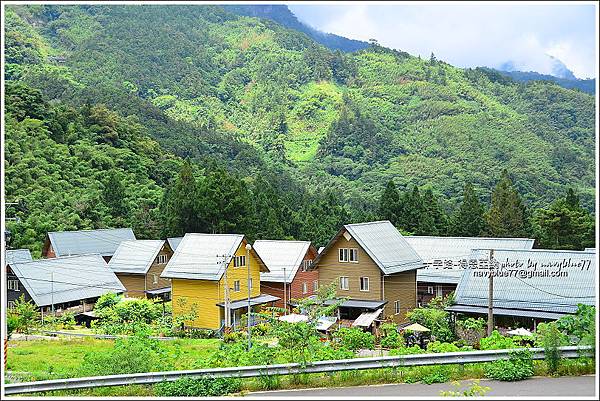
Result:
[[67, 320], [355, 339], [261, 329], [390, 337], [471, 330], [581, 327], [437, 320], [107, 300], [497, 341], [439, 347], [12, 323], [26, 315], [436, 374], [518, 366], [474, 390], [202, 333], [233, 337], [415, 349], [550, 338], [205, 387]]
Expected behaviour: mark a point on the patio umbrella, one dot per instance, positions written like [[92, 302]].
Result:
[[520, 332], [416, 327], [293, 318]]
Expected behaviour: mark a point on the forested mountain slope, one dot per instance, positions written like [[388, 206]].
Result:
[[254, 96]]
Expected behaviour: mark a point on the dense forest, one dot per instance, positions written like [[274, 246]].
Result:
[[191, 118]]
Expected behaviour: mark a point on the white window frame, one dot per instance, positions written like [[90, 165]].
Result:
[[239, 261], [315, 285], [355, 252], [154, 279], [10, 304], [236, 286], [306, 264], [397, 307], [13, 285], [305, 287], [439, 290], [430, 289], [162, 259], [343, 255], [344, 280], [367, 281]]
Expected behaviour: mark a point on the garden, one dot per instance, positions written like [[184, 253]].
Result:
[[142, 323]]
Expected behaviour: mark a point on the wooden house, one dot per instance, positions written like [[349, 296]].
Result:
[[71, 243], [289, 265], [209, 280], [139, 264], [374, 267]]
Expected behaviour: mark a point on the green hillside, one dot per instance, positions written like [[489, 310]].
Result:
[[252, 95]]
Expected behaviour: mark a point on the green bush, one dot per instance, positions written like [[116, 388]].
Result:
[[497, 341], [415, 349], [390, 337], [201, 333], [261, 329], [436, 374], [518, 366], [107, 300], [550, 338], [436, 320], [355, 338], [205, 387], [439, 347], [233, 337]]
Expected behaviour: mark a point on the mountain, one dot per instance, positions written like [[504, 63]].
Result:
[[138, 89], [558, 69], [584, 85], [284, 16]]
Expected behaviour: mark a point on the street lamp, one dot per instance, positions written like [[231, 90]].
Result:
[[248, 248]]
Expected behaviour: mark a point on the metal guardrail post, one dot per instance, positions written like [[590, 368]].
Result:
[[283, 369]]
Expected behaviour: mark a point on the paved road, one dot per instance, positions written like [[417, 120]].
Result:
[[574, 386]]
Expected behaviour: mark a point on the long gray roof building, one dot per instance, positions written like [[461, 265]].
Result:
[[17, 256], [102, 241], [66, 279], [535, 283]]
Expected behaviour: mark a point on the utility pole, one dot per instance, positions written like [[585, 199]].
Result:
[[284, 292], [248, 247], [490, 325]]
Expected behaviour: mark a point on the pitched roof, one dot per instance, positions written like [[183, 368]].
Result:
[[200, 256], [383, 243], [66, 279], [280, 255], [174, 242], [135, 256], [102, 241], [455, 249], [559, 294], [17, 256]]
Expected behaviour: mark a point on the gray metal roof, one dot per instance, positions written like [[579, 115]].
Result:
[[505, 312], [280, 256], [590, 249], [517, 288], [67, 279], [200, 256], [17, 256], [443, 255], [102, 241], [258, 300], [135, 256], [358, 303], [174, 242], [386, 246]]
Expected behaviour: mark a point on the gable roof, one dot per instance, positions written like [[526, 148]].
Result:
[[452, 250], [200, 256], [280, 255], [66, 279], [17, 256], [135, 256], [518, 292], [383, 243], [174, 242], [102, 241]]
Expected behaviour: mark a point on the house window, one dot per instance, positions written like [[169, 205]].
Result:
[[364, 284], [162, 259], [343, 257], [315, 285], [344, 283], [236, 285], [11, 304], [396, 307], [239, 261], [154, 279], [430, 289], [304, 288], [306, 264], [354, 255], [13, 285], [438, 290]]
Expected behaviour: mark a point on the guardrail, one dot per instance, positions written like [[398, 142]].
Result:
[[283, 369]]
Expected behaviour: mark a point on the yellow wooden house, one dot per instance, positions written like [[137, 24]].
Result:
[[210, 280]]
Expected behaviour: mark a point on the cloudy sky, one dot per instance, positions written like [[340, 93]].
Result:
[[468, 35]]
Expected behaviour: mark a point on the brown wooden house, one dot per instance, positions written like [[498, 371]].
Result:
[[289, 265], [71, 243], [139, 265], [374, 267]]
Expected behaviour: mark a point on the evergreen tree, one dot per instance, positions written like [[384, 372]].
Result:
[[434, 220], [572, 199], [389, 203], [113, 194], [179, 207], [468, 220], [507, 216]]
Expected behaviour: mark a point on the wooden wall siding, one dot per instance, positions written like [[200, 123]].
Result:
[[205, 294], [402, 287], [134, 284], [50, 253], [330, 269], [156, 270], [275, 289]]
